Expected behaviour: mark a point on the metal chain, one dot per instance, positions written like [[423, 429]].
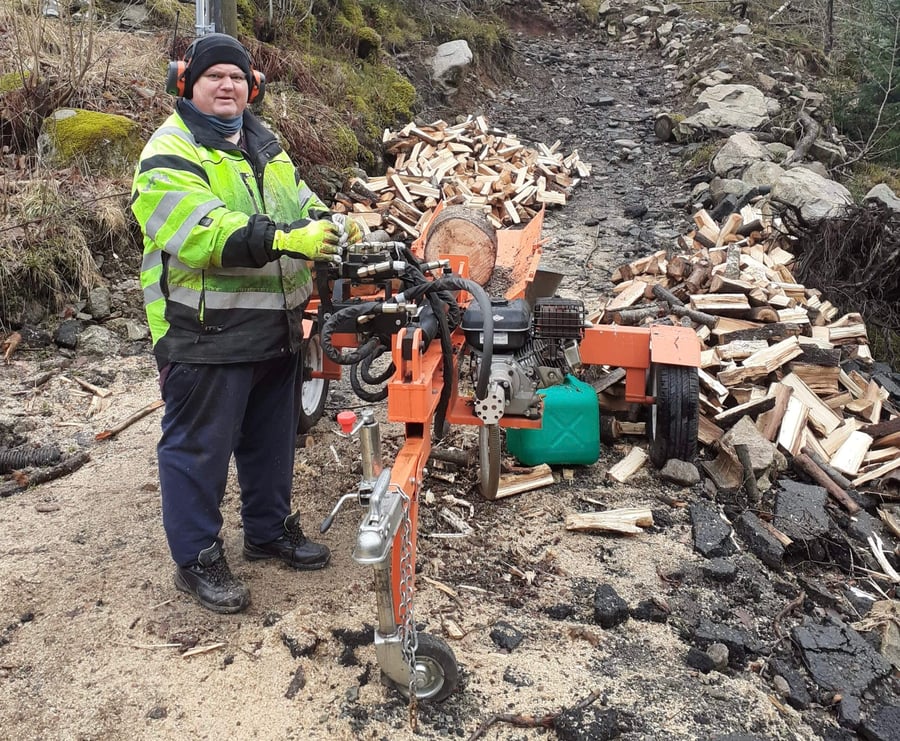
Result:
[[409, 641]]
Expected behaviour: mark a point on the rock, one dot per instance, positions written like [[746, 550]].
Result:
[[721, 188], [505, 636], [818, 592], [517, 679], [67, 332], [738, 153], [134, 17], [862, 602], [97, 143], [129, 329], [761, 542], [738, 641], [635, 210], [863, 526], [598, 100], [762, 173], [830, 154], [742, 29], [97, 340], [99, 303], [712, 534], [587, 724], [716, 77], [718, 655], [779, 151], [850, 712], [648, 611], [610, 609], [683, 473], [817, 197], [699, 660], [883, 193], [720, 570], [796, 694], [882, 724], [760, 450], [449, 65], [560, 612], [838, 658], [740, 107], [800, 510]]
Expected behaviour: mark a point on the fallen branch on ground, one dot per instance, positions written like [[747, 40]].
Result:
[[23, 481], [530, 721], [140, 414]]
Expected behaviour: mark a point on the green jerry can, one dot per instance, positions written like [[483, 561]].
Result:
[[570, 433]]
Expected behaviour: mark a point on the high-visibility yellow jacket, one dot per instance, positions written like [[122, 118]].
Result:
[[208, 210]]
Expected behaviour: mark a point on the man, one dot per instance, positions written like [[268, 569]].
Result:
[[228, 228]]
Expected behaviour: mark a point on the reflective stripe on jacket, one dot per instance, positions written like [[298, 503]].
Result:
[[193, 192]]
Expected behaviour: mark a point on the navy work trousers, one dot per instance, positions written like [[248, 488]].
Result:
[[212, 411]]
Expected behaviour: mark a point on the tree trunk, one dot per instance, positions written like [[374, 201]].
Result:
[[458, 230]]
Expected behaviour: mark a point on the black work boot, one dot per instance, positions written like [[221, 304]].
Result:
[[211, 582], [294, 548]]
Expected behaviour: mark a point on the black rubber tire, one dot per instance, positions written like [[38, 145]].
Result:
[[312, 392], [675, 415], [489, 461], [436, 668]]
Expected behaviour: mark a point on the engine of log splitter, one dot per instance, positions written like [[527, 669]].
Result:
[[532, 349]]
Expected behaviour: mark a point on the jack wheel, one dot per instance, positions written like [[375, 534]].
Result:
[[675, 414], [489, 460], [312, 391], [437, 673]]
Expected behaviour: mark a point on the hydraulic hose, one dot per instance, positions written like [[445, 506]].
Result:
[[456, 283], [363, 393], [349, 312], [412, 294], [366, 364]]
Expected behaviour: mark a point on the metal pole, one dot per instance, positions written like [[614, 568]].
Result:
[[202, 23]]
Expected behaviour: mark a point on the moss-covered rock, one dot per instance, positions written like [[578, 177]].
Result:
[[10, 81], [98, 143]]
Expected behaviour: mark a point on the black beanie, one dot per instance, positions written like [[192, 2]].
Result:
[[214, 48]]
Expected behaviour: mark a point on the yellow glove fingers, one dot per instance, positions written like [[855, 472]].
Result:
[[317, 240], [353, 231]]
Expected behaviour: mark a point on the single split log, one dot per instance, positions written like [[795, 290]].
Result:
[[610, 379], [517, 483], [9, 346], [627, 520], [628, 466], [771, 421]]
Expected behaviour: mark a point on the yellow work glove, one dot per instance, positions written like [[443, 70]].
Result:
[[314, 240], [353, 232]]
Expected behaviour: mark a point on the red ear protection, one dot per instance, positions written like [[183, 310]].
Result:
[[177, 76]]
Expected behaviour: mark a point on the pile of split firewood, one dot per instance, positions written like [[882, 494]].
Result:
[[470, 163], [774, 351]]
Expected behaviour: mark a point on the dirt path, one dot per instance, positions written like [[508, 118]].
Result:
[[93, 632]]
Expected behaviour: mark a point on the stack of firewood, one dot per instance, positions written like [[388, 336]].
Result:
[[472, 163], [772, 349]]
